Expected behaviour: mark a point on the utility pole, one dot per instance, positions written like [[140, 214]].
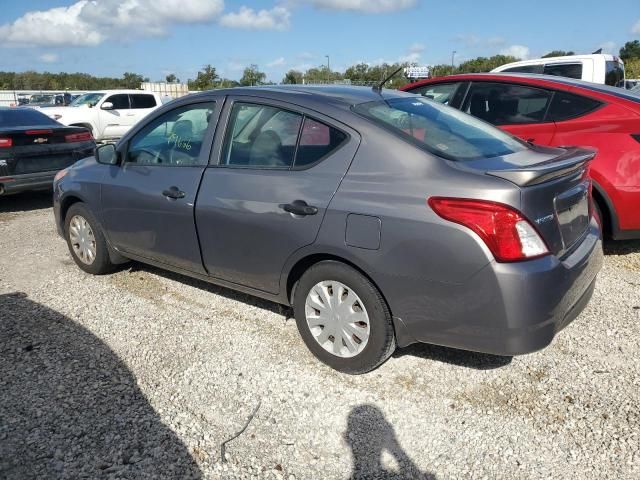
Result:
[[453, 54], [328, 69]]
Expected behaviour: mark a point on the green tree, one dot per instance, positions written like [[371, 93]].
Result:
[[558, 53], [206, 79], [484, 64], [630, 50], [132, 80], [292, 77], [171, 78], [632, 68], [252, 76]]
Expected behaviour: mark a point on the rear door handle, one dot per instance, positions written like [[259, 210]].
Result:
[[299, 207], [174, 193]]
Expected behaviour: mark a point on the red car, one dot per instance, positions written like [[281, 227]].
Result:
[[558, 112]]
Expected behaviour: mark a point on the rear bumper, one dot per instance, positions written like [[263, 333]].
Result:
[[25, 182], [509, 308]]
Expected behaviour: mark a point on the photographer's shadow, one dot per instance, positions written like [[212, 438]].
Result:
[[369, 434], [70, 407]]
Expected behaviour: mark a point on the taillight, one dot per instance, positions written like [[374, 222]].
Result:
[[507, 233], [38, 132], [78, 137], [5, 142]]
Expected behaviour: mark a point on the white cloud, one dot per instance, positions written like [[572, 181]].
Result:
[[247, 18], [635, 30], [91, 22], [365, 6], [518, 51], [49, 57], [417, 48], [496, 41], [278, 62]]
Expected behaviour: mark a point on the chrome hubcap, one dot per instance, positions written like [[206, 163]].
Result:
[[337, 319], [82, 239]]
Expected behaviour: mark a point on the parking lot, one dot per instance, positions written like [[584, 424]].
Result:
[[143, 373]]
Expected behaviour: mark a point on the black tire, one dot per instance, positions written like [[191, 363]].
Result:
[[601, 219], [101, 264], [381, 342]]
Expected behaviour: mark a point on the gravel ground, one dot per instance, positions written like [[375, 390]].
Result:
[[143, 373]]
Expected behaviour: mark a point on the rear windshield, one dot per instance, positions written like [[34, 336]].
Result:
[[23, 117], [439, 129]]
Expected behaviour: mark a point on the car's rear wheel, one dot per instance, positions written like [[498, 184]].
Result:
[[86, 242], [343, 318]]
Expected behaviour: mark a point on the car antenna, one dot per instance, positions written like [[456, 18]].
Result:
[[378, 88]]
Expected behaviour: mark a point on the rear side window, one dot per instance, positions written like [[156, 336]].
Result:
[[441, 92], [142, 101], [567, 105], [317, 140], [525, 69], [261, 136], [24, 117], [614, 75], [570, 70], [507, 104], [441, 130], [120, 101]]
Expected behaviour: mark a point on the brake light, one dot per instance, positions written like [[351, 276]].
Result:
[[6, 142], [505, 231], [78, 137], [39, 132]]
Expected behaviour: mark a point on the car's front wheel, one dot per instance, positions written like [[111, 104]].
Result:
[[343, 318], [86, 242]]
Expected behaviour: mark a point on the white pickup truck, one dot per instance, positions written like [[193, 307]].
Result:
[[108, 114]]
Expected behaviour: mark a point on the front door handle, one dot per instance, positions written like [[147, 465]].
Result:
[[174, 193], [299, 207]]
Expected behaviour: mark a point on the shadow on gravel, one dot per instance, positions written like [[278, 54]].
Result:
[[70, 408], [215, 289], [27, 201], [621, 247], [460, 358], [369, 434]]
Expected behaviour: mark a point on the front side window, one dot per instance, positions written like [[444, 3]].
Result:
[[567, 105], [141, 100], [173, 139], [120, 101], [570, 70], [441, 93], [507, 104], [261, 136], [441, 130]]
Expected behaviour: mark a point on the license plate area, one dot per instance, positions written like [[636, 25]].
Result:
[[572, 211]]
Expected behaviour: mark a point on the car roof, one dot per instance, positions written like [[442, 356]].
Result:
[[535, 78], [338, 95]]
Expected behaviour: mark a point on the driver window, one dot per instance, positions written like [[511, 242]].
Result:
[[173, 139]]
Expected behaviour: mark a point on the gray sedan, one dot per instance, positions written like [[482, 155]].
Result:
[[383, 219]]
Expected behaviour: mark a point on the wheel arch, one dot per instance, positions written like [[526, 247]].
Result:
[[610, 222]]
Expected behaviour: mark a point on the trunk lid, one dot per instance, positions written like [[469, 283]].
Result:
[[555, 190], [41, 149]]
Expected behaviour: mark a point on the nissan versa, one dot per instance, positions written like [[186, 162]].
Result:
[[383, 218]]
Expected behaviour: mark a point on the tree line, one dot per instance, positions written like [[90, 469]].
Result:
[[208, 78]]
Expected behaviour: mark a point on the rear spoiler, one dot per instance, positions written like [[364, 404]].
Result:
[[571, 161]]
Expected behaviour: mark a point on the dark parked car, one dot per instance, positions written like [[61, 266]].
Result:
[[383, 218], [33, 148]]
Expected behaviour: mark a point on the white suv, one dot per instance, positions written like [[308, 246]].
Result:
[[109, 114]]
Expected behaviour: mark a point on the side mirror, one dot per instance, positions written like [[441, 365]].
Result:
[[107, 154], [107, 106]]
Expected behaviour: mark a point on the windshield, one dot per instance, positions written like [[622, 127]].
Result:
[[90, 99], [41, 98], [439, 129]]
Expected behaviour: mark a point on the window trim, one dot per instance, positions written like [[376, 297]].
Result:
[[467, 99], [208, 138], [218, 150]]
